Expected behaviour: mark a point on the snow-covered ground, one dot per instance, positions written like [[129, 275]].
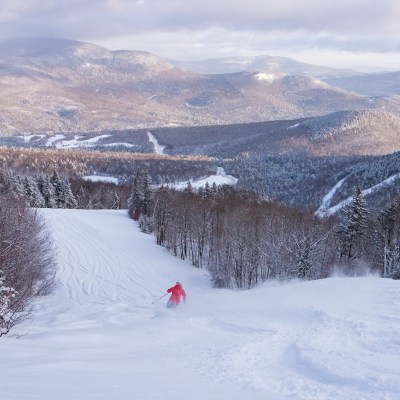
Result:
[[77, 142], [100, 337], [100, 178], [220, 178]]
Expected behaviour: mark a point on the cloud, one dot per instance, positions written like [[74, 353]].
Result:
[[195, 26]]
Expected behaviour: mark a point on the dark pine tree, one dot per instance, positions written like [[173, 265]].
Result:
[[353, 226]]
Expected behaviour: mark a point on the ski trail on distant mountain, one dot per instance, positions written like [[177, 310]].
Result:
[[158, 149], [366, 192], [326, 201]]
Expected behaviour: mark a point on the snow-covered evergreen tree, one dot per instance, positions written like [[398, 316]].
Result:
[[16, 184], [353, 226], [47, 190], [68, 197], [28, 190], [58, 189], [189, 187], [147, 194], [135, 198], [32, 193], [389, 234]]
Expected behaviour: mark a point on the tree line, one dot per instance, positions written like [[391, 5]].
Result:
[[244, 240]]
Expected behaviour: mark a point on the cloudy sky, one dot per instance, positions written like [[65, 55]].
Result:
[[363, 34]]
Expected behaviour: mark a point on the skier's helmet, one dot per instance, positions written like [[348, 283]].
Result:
[[178, 283]]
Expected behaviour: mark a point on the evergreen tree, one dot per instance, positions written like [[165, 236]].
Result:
[[37, 199], [27, 185], [389, 229], [47, 190], [58, 190], [207, 191], [16, 185], [68, 197], [135, 198], [189, 187], [147, 194], [353, 226]]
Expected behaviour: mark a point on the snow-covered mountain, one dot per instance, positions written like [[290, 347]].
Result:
[[59, 85], [364, 132], [99, 336], [266, 63], [378, 84]]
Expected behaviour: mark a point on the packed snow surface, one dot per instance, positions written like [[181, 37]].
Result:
[[100, 337], [219, 178], [100, 178]]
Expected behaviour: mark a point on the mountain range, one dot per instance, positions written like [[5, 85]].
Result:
[[59, 85]]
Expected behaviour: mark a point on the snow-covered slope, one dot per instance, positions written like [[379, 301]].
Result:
[[100, 337]]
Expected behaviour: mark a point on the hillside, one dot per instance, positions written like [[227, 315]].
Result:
[[379, 84], [59, 86], [347, 133], [265, 63], [100, 332]]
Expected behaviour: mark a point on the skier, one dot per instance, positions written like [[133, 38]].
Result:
[[176, 293]]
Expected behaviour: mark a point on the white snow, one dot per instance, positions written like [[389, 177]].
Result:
[[294, 126], [158, 149], [28, 138], [77, 142], [54, 139], [100, 178], [265, 77], [220, 178], [120, 144], [100, 337]]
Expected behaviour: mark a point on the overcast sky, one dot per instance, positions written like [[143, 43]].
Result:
[[363, 34]]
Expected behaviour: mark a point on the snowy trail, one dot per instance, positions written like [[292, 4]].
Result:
[[158, 149], [326, 201], [99, 337]]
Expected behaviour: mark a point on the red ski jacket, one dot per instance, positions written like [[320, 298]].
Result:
[[176, 293]]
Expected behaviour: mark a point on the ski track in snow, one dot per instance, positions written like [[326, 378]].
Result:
[[99, 337]]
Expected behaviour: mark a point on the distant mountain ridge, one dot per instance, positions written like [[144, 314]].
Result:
[[59, 85], [379, 84], [264, 63], [363, 132], [344, 133]]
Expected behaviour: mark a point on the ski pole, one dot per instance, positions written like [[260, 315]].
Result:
[[155, 301]]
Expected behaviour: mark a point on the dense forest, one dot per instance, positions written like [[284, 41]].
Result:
[[275, 178], [244, 240]]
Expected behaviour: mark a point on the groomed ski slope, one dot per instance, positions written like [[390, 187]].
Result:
[[99, 337]]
